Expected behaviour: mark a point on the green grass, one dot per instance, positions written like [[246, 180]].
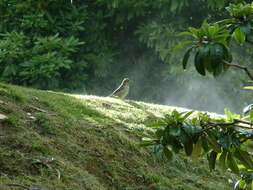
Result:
[[63, 142]]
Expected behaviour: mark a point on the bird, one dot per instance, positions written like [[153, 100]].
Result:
[[122, 91]]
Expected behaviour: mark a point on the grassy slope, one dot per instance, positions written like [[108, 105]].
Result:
[[87, 142]]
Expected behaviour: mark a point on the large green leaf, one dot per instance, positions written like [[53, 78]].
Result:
[[227, 57], [186, 115], [205, 145], [167, 153], [245, 158], [159, 133], [185, 34], [186, 57], [182, 44], [216, 53], [226, 141], [232, 163], [175, 131], [166, 138], [199, 64], [223, 159], [216, 57], [213, 142], [213, 30], [218, 69], [205, 28], [188, 128], [188, 147], [195, 32], [239, 35], [212, 160], [204, 54], [246, 28], [184, 137], [197, 150]]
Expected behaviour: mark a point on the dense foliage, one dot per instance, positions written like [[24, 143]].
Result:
[[91, 45], [225, 141]]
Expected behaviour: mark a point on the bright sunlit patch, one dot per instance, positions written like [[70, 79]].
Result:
[[107, 99], [129, 112]]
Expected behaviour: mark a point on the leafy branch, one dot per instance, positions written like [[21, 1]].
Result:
[[235, 123], [240, 67], [221, 140], [210, 43]]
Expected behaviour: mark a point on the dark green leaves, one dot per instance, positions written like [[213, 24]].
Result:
[[245, 28], [226, 142], [232, 164], [240, 26], [167, 153], [173, 133], [209, 57], [198, 61], [245, 158], [220, 140], [188, 147], [223, 160], [186, 57], [239, 35], [182, 44], [240, 10], [197, 150], [210, 47], [212, 160], [213, 142]]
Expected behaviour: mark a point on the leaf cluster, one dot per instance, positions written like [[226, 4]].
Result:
[[38, 62], [210, 43], [222, 141]]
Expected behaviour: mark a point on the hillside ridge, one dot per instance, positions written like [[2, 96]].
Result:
[[54, 141]]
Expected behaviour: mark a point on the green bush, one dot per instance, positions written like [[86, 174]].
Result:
[[43, 43]]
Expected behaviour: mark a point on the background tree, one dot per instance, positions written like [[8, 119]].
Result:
[[78, 46]]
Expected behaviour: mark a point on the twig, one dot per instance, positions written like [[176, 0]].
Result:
[[213, 125], [240, 67], [245, 122], [244, 127], [224, 124]]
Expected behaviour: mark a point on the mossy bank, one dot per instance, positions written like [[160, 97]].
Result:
[[56, 141]]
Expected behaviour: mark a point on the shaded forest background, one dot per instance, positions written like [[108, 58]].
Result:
[[89, 46]]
